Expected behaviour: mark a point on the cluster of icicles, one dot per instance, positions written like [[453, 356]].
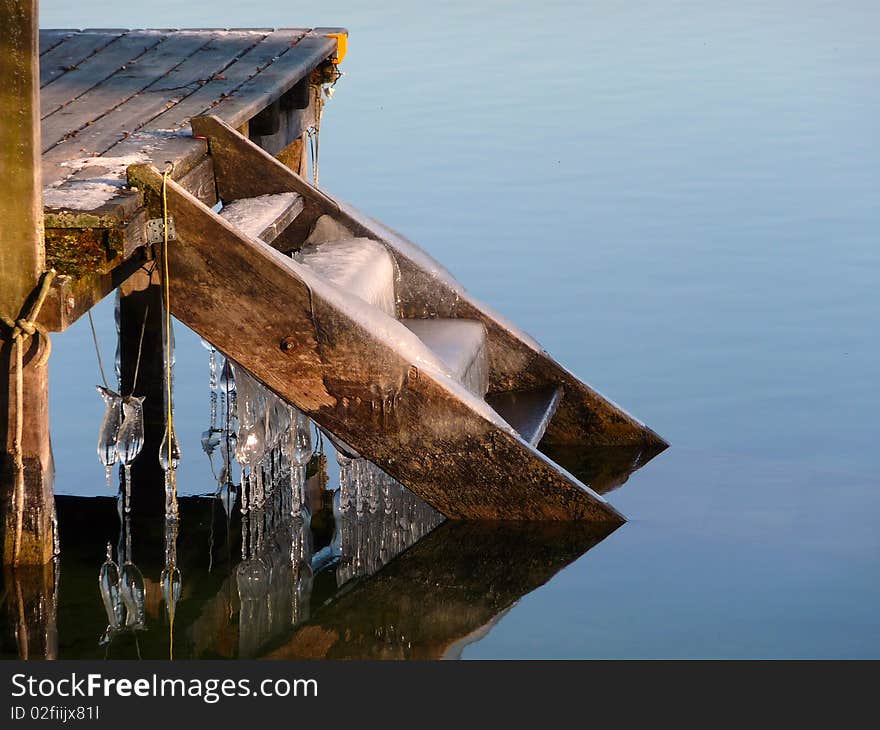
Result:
[[269, 440], [377, 519], [274, 577]]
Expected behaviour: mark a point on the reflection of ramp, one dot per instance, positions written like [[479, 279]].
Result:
[[378, 344], [444, 592]]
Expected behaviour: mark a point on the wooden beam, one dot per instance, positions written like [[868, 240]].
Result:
[[27, 517], [517, 361], [366, 380]]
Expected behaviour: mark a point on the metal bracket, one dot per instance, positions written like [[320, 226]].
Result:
[[156, 230]]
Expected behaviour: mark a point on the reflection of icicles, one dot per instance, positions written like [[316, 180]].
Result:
[[274, 577], [132, 590], [170, 579], [170, 496], [377, 519], [107, 438], [108, 583]]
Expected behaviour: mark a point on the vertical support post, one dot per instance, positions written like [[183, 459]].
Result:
[[22, 260], [140, 300]]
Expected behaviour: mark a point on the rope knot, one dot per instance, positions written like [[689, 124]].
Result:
[[26, 326]]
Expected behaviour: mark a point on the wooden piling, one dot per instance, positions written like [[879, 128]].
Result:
[[27, 517], [140, 302]]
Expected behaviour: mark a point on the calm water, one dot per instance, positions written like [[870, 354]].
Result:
[[679, 200]]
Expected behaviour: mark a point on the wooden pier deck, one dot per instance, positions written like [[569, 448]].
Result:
[[111, 98]]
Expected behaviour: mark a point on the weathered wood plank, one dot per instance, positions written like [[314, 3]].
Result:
[[528, 411], [365, 379], [25, 498], [221, 85], [273, 81], [117, 124], [95, 69], [200, 182], [112, 93], [516, 360], [72, 52], [71, 297], [51, 37], [86, 183]]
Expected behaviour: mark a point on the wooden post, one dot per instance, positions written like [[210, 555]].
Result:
[[22, 260], [140, 300]]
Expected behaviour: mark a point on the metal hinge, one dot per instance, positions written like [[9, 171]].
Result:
[[156, 230]]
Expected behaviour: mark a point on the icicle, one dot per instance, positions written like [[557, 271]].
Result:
[[108, 584], [130, 440], [163, 452], [107, 438]]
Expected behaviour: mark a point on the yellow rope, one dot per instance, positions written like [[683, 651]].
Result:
[[166, 285], [20, 329]]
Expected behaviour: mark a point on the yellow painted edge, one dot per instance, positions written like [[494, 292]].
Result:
[[341, 46]]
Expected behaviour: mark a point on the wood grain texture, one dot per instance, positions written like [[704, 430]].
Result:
[[22, 260], [74, 49], [272, 45], [95, 69], [348, 373], [112, 93], [219, 50], [276, 79], [517, 361]]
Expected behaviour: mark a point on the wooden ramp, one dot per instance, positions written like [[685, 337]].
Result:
[[369, 336]]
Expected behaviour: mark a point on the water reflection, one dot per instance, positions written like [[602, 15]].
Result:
[[275, 563]]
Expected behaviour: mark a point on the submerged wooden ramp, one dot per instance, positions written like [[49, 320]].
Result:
[[370, 337]]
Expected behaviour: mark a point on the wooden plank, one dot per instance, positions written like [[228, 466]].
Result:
[[95, 69], [26, 496], [114, 91], [217, 88], [220, 49], [93, 189], [273, 81], [72, 52], [516, 360], [70, 297], [200, 182], [368, 381], [528, 411], [51, 37]]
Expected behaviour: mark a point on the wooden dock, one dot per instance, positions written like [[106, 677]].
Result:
[[336, 313]]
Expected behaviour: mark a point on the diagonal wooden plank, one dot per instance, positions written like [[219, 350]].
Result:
[[95, 69], [359, 374], [273, 45], [516, 360], [221, 49], [273, 81], [51, 37], [72, 52], [121, 86]]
